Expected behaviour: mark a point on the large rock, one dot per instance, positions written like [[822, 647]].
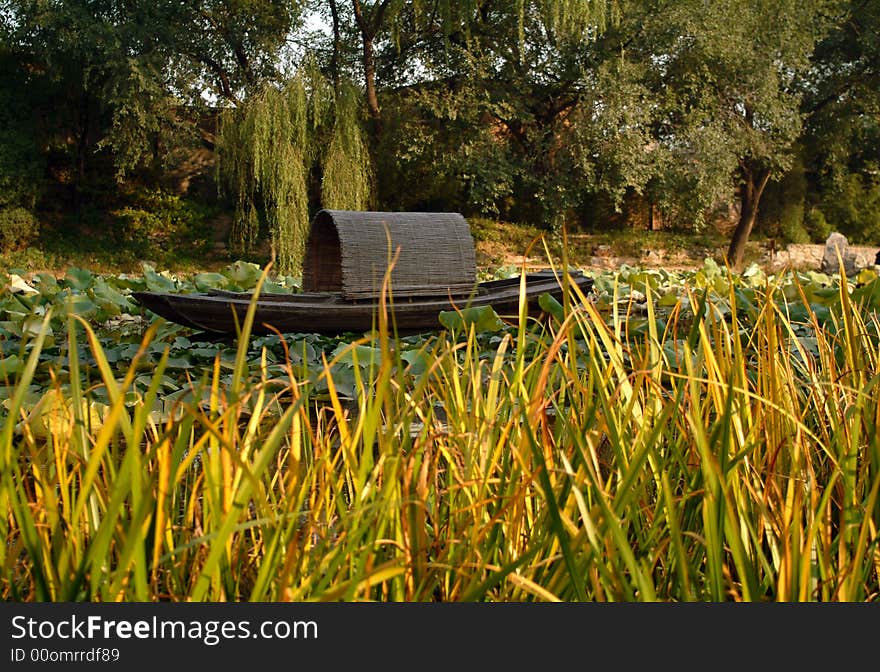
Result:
[[836, 252], [808, 257]]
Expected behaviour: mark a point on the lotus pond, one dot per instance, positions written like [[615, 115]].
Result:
[[693, 435]]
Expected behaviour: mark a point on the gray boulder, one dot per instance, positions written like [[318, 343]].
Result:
[[836, 252]]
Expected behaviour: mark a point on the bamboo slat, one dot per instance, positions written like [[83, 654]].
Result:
[[349, 252]]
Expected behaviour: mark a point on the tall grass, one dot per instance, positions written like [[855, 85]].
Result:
[[719, 459]]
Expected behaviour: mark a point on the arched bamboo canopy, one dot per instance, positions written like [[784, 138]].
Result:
[[349, 251]]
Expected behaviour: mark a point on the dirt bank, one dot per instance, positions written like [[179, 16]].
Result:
[[586, 251]]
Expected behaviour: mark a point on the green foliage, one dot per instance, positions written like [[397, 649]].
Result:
[[111, 81], [347, 181], [27, 258], [791, 225], [784, 214], [269, 148], [614, 152], [18, 229], [575, 20], [852, 206], [266, 151], [817, 225], [117, 234], [147, 129], [21, 163], [77, 63], [483, 319], [666, 103], [437, 153], [843, 129], [545, 111], [157, 220], [728, 107], [489, 128]]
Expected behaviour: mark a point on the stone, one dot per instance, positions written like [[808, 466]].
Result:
[[837, 251], [650, 257]]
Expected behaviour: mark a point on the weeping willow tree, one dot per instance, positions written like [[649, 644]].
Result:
[[271, 147], [568, 17], [347, 175], [574, 19]]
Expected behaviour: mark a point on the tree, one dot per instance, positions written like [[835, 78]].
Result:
[[842, 134], [225, 46], [273, 144], [727, 112], [70, 55], [114, 76], [370, 18], [507, 78], [21, 164]]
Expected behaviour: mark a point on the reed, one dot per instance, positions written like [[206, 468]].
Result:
[[717, 458]]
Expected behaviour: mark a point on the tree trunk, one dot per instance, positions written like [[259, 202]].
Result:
[[370, 79], [337, 41], [754, 181], [369, 27]]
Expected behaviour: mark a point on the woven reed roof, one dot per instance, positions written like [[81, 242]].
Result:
[[348, 251]]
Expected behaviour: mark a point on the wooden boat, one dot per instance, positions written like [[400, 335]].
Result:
[[348, 254], [327, 312]]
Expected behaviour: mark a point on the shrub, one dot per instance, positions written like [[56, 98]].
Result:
[[816, 224], [18, 228], [791, 224], [853, 207], [28, 259], [157, 220]]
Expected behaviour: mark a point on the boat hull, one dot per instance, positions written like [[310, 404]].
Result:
[[224, 312]]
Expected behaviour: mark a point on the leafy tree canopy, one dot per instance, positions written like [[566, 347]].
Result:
[[549, 111]]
